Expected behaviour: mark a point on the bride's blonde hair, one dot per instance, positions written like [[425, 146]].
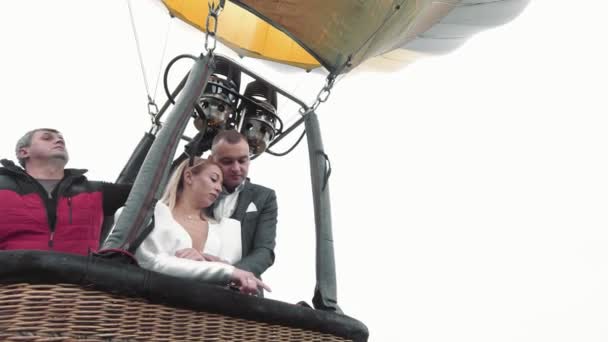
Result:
[[175, 185]]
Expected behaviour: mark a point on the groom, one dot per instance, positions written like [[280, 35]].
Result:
[[253, 205]]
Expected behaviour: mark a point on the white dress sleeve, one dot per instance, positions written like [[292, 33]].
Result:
[[157, 252]]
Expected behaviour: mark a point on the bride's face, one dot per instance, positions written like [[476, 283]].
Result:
[[206, 185]]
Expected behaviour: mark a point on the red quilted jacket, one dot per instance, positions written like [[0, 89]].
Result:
[[68, 222]]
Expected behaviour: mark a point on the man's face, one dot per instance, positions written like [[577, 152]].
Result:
[[234, 161], [46, 145]]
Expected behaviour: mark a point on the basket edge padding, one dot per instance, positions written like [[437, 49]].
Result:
[[42, 267]]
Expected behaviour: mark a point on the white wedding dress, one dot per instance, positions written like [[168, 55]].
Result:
[[157, 251]]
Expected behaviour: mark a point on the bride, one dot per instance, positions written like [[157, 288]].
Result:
[[182, 243]]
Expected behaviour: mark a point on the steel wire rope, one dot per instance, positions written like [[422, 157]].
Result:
[[152, 107]]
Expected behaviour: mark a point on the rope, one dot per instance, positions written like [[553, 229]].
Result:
[[162, 59], [141, 60]]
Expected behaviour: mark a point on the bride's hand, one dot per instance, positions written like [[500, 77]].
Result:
[[190, 253], [209, 257]]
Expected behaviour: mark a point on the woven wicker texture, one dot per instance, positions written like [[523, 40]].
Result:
[[65, 312]]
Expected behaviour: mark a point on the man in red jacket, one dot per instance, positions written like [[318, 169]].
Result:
[[44, 206]]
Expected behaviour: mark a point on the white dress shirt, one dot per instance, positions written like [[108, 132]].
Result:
[[226, 204]]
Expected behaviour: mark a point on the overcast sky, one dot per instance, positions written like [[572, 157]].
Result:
[[469, 191]]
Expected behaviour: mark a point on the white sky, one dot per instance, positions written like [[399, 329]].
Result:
[[469, 191]]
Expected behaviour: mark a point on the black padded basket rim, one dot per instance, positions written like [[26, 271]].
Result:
[[42, 267]]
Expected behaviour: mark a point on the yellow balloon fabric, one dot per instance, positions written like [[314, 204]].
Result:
[[244, 33], [341, 34]]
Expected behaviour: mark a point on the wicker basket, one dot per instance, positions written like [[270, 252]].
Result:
[[66, 312], [47, 296]]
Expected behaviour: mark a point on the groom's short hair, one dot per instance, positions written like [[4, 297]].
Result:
[[230, 136]]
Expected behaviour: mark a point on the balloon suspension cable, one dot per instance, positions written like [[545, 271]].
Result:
[[141, 59], [162, 58], [153, 112], [322, 96], [326, 90], [211, 25], [210, 45], [152, 107]]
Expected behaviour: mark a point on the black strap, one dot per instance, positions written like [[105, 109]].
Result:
[[327, 169]]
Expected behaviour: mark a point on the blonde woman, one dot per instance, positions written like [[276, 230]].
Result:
[[182, 243]]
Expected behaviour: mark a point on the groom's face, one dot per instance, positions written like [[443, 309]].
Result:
[[234, 161]]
